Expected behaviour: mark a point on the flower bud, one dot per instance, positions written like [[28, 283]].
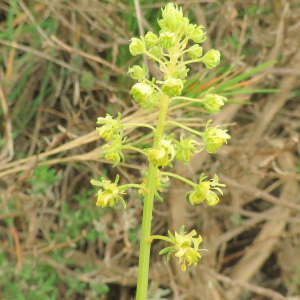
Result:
[[136, 72], [151, 39], [213, 102], [155, 51], [172, 87], [110, 128], [211, 59], [195, 52], [137, 46], [214, 138], [167, 40], [196, 33]]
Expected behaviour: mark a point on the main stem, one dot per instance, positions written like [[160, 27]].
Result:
[[143, 272]]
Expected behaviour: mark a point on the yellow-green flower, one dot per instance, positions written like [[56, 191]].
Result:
[[156, 52], [160, 184], [113, 151], [211, 59], [167, 40], [151, 39], [185, 148], [181, 72], [110, 193], [195, 52], [163, 154], [185, 247], [213, 102], [172, 19], [196, 33], [214, 138], [137, 72], [203, 191], [145, 95], [110, 128], [172, 87], [137, 46]]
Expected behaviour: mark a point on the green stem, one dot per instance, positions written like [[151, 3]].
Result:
[[144, 258], [188, 99], [192, 61], [133, 185], [155, 58], [160, 237], [186, 128], [180, 178], [138, 125], [134, 149]]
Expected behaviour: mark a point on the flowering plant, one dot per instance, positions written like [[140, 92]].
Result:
[[171, 51]]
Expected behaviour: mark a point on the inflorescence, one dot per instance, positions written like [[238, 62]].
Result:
[[172, 51]]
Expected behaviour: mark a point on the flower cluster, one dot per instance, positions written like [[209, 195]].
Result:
[[177, 45], [185, 247], [168, 50], [110, 193], [203, 191]]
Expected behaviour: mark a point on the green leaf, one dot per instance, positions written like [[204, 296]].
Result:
[[100, 289]]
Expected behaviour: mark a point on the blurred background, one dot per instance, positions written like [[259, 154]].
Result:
[[64, 63]]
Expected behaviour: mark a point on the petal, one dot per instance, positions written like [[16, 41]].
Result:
[[96, 182], [161, 153], [179, 253], [191, 234]]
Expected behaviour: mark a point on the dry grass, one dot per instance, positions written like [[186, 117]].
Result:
[[63, 64]]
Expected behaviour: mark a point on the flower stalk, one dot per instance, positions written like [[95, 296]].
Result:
[[143, 272]]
